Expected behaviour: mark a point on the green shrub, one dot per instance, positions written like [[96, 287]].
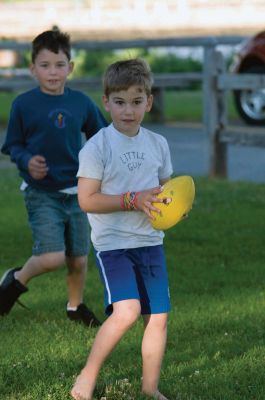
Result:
[[92, 63], [168, 63], [96, 61]]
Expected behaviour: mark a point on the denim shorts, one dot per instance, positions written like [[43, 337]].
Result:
[[138, 273], [57, 223]]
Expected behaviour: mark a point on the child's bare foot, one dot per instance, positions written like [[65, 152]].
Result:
[[81, 389], [157, 395]]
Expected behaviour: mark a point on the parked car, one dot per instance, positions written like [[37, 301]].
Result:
[[250, 59]]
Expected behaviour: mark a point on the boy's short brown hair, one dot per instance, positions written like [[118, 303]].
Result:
[[52, 40], [126, 73]]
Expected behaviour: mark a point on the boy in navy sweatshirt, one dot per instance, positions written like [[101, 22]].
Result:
[[44, 139]]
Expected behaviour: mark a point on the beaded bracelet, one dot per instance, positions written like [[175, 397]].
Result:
[[128, 201]]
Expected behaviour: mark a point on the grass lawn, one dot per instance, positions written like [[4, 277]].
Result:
[[216, 335]]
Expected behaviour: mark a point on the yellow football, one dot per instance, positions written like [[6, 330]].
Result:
[[181, 190]]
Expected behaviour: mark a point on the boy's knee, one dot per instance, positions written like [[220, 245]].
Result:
[[51, 261], [160, 323], [156, 321], [127, 312], [77, 264], [133, 316]]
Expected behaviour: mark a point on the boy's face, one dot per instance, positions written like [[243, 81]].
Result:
[[51, 71], [127, 109]]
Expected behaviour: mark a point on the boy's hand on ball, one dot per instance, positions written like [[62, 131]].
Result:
[[181, 190], [147, 198]]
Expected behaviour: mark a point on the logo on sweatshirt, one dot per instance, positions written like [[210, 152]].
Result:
[[59, 117]]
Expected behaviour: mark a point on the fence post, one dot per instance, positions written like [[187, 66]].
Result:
[[214, 111]]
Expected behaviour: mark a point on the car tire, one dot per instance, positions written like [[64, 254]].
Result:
[[250, 104]]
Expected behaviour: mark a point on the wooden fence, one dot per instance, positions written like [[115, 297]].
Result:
[[215, 79]]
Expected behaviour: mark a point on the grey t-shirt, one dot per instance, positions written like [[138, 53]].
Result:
[[124, 164]]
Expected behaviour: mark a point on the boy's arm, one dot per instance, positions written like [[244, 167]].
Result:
[[35, 165], [95, 121], [91, 200], [14, 144], [15, 147]]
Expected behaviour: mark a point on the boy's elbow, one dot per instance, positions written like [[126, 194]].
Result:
[[83, 208], [84, 204]]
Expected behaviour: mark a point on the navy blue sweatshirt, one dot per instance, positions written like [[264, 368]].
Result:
[[51, 126]]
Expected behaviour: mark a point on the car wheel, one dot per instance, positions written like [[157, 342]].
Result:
[[250, 104]]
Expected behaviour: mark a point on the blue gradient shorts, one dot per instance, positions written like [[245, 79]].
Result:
[[57, 223], [135, 274]]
